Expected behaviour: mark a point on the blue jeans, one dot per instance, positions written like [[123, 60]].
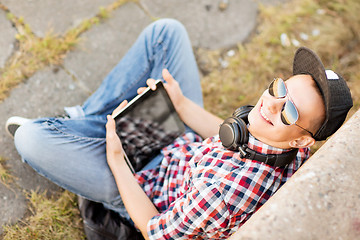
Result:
[[71, 151]]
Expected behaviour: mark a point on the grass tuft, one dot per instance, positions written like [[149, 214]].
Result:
[[51, 218], [5, 176], [36, 53], [33, 54]]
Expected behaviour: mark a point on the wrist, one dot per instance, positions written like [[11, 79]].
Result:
[[116, 162], [181, 105]]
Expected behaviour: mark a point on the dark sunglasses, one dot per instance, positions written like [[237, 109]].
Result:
[[289, 113]]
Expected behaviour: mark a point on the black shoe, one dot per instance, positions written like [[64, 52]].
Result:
[[13, 123]]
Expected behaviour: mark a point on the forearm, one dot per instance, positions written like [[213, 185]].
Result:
[[197, 118], [136, 202]]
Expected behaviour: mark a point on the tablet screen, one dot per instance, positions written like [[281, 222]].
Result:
[[148, 123]]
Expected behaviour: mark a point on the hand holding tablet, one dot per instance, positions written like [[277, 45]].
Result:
[[146, 124]]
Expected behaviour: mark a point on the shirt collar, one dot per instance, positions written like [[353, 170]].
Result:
[[263, 148]]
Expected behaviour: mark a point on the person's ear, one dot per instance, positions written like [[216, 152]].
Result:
[[302, 142]]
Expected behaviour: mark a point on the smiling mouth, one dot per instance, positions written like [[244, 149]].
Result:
[[263, 115]]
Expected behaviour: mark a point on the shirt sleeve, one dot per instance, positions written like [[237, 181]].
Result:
[[200, 211]]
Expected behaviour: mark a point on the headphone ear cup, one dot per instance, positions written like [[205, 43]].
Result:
[[233, 133]]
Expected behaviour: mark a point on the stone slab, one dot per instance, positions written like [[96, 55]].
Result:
[[102, 47], [7, 38], [207, 25], [44, 94], [13, 204], [44, 16]]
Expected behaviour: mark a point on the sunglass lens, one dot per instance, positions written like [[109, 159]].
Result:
[[277, 88], [289, 115]]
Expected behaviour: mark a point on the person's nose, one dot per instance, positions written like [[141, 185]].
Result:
[[275, 105]]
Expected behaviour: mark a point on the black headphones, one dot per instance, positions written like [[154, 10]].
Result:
[[234, 135]]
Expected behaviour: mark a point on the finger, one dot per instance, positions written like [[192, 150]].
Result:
[[141, 90], [167, 76], [121, 106], [151, 83], [110, 125]]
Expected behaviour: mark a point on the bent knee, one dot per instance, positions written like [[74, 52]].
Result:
[[28, 139]]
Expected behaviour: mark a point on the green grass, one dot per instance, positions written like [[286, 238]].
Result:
[[52, 218], [250, 70]]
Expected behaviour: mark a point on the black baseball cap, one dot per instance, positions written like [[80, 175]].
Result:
[[333, 88]]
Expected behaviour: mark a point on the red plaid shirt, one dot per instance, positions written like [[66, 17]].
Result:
[[204, 191]]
